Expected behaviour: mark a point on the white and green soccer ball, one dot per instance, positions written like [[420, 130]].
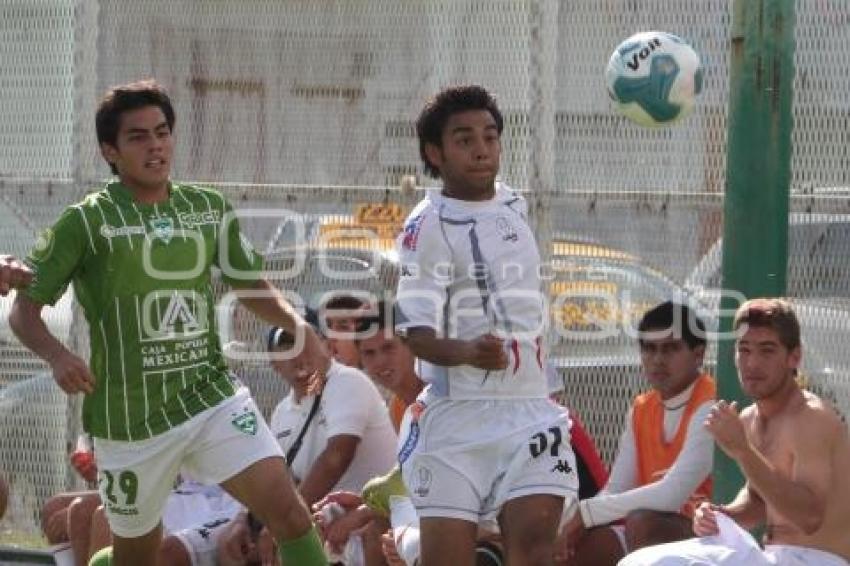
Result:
[[653, 78]]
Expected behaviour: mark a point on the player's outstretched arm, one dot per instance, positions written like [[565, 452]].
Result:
[[70, 371], [14, 274], [271, 306], [485, 352], [267, 302]]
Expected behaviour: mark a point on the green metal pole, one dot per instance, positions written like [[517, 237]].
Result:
[[755, 233]]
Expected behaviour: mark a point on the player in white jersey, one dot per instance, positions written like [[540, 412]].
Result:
[[484, 441]]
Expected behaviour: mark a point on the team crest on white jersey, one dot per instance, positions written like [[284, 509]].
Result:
[[506, 230], [163, 228]]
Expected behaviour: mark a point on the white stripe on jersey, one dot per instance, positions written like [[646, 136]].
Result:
[[183, 230], [198, 394], [210, 209], [139, 214], [138, 318], [123, 369], [213, 383], [103, 216], [106, 381], [121, 215], [144, 375], [147, 406], [223, 208], [180, 400], [191, 207], [79, 209], [162, 407]]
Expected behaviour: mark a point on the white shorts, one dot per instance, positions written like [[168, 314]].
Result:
[[135, 478], [201, 541], [733, 546], [465, 459], [197, 517]]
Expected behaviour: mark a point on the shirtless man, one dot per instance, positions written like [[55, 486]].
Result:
[[793, 449]]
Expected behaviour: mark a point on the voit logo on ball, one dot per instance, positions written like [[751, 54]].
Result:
[[653, 78]]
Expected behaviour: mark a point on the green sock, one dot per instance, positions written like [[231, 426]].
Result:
[[305, 550], [377, 491], [102, 557]]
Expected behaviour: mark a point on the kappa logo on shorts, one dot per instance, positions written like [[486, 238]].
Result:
[[206, 530], [246, 422], [424, 477], [563, 467]]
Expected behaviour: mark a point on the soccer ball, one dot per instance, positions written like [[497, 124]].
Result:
[[653, 78]]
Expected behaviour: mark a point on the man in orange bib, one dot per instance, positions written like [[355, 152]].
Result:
[[664, 459]]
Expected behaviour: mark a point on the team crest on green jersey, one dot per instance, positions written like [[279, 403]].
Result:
[[246, 422], [163, 228], [43, 245]]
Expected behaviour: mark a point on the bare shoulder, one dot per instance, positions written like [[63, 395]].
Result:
[[818, 417]]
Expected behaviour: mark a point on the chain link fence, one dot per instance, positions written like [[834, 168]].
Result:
[[307, 108]]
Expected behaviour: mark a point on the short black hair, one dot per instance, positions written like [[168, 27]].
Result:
[[124, 98], [678, 317], [437, 111]]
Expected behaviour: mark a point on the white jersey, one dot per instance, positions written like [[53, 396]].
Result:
[[468, 269], [351, 405]]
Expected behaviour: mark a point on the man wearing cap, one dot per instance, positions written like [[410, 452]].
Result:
[[350, 438], [333, 440]]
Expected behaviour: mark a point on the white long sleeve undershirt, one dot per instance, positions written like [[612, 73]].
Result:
[[621, 494]]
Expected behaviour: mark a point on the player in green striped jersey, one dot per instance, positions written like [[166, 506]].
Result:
[[159, 397]]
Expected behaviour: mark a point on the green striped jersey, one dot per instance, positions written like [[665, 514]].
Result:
[[142, 276]]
